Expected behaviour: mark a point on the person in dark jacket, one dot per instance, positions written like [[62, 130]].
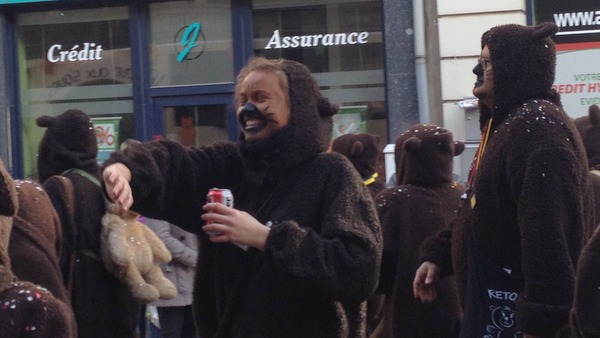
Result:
[[67, 168], [518, 235], [424, 201], [363, 152], [312, 232]]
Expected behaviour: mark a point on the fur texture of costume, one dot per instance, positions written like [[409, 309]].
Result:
[[28, 310], [425, 200]]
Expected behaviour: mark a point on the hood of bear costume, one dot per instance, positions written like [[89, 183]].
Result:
[[361, 149], [523, 62], [424, 155], [69, 142]]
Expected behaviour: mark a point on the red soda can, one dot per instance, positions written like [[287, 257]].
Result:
[[223, 196]]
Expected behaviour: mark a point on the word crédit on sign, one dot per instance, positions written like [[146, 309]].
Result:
[[88, 52]]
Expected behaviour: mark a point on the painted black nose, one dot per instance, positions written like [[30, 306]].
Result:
[[249, 107], [249, 111], [478, 69]]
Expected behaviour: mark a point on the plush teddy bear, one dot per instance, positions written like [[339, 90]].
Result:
[[132, 252]]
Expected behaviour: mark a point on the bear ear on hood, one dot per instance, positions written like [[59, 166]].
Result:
[[459, 147], [594, 113], [45, 121], [412, 144], [544, 30]]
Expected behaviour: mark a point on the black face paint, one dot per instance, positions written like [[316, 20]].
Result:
[[478, 70], [249, 111]]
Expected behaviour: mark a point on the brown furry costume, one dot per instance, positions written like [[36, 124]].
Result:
[[589, 129], [36, 240], [363, 153], [103, 305], [424, 201], [322, 255], [529, 209], [585, 315], [26, 309]]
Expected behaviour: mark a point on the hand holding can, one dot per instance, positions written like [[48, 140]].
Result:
[[223, 196]]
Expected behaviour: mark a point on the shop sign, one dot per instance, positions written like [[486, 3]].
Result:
[[578, 20], [89, 51], [303, 41], [583, 22], [190, 37], [577, 77]]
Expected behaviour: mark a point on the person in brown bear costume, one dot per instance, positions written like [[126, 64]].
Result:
[[362, 151], [36, 240], [585, 315], [528, 212], [103, 305], [425, 199], [310, 236], [26, 309]]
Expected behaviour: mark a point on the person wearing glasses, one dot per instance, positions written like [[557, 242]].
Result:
[[515, 242]]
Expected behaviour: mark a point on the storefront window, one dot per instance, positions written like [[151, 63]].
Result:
[[76, 59], [197, 124], [191, 42], [341, 43]]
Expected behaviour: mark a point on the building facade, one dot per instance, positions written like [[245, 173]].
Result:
[[149, 69]]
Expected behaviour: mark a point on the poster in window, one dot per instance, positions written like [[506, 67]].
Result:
[[349, 120], [107, 136]]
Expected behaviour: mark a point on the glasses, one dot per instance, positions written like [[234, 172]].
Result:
[[485, 63]]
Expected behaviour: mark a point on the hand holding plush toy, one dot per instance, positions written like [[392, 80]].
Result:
[[133, 252]]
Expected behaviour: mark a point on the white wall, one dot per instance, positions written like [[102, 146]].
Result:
[[461, 24]]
